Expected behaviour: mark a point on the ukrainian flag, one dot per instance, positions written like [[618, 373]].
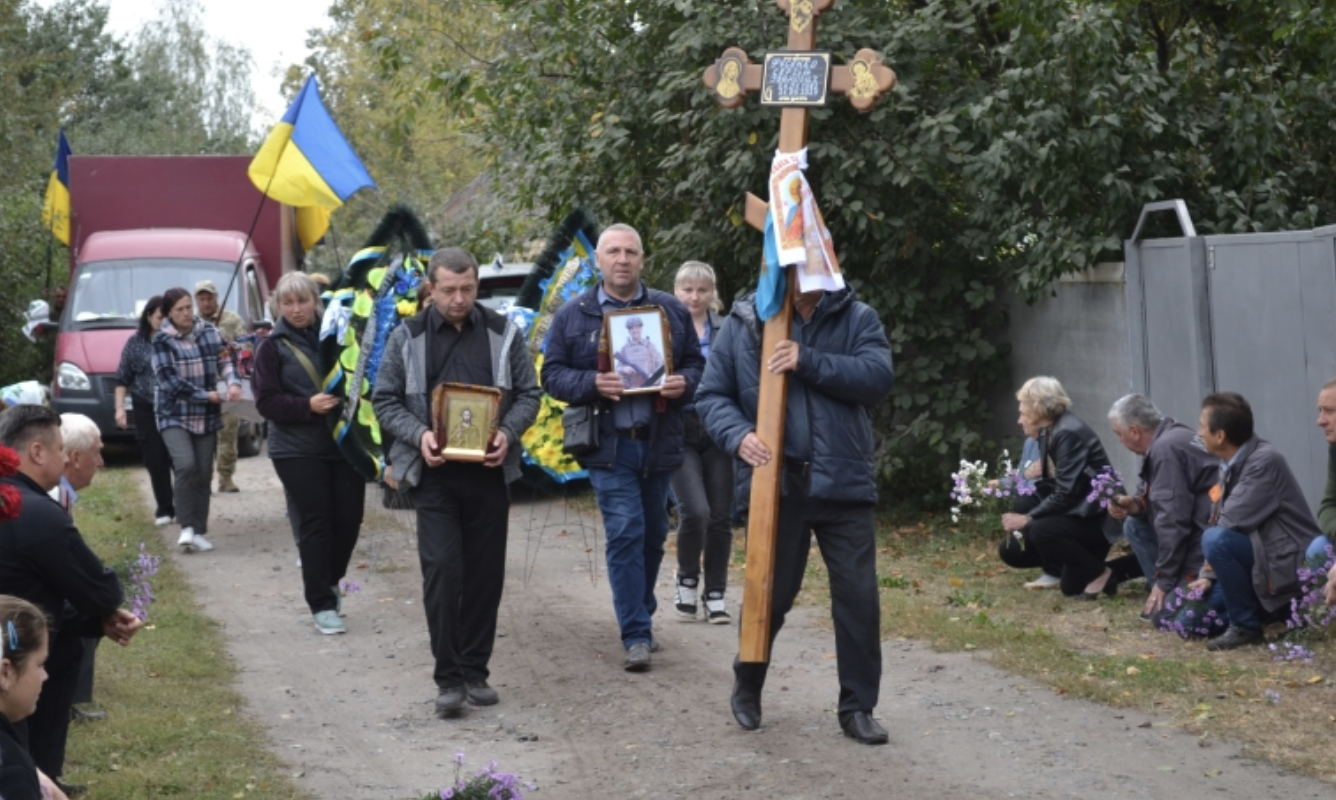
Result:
[[56, 206], [307, 163]]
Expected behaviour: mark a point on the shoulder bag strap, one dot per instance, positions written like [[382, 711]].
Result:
[[305, 362]]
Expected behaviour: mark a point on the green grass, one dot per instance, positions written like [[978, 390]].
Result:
[[175, 726], [943, 584]]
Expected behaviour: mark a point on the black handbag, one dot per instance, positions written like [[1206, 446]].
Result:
[[581, 429]]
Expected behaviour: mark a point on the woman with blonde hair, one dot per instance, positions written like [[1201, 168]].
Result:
[[1064, 533], [704, 484], [328, 494]]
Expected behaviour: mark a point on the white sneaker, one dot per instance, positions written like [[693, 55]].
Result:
[[201, 544], [715, 611], [160, 521], [1044, 581], [685, 600], [187, 539]]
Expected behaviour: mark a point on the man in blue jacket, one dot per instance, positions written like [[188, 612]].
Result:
[[840, 368], [640, 440]]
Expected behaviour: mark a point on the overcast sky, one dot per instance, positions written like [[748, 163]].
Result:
[[274, 31]]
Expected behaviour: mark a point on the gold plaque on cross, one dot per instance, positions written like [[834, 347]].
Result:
[[795, 78]]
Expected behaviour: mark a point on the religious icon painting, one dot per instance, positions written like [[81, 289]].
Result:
[[639, 347], [464, 418]]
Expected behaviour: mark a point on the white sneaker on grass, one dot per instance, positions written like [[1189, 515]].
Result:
[[1044, 581], [160, 521], [328, 623]]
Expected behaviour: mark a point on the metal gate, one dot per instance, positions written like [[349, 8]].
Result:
[[1251, 313]]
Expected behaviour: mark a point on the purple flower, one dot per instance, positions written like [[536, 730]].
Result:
[[350, 587], [1272, 697]]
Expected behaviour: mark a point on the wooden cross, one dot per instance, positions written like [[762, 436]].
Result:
[[731, 78]]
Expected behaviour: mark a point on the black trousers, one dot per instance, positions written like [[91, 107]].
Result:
[[1073, 548], [462, 516], [846, 534], [49, 725], [83, 689], [154, 452], [329, 496]]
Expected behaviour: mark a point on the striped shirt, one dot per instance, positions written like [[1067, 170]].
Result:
[[188, 367]]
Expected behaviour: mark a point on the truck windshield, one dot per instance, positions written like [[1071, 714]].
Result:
[[111, 294]]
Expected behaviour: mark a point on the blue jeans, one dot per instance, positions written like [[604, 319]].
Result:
[[1144, 543], [635, 520], [1230, 554]]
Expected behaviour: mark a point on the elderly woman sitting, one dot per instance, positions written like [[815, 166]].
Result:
[[1064, 533]]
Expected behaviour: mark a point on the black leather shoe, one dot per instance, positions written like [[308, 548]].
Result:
[[861, 726], [1235, 637], [746, 703], [480, 694], [450, 701]]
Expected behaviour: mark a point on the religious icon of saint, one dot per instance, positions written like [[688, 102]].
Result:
[[865, 83], [792, 235], [465, 435], [728, 87], [639, 362]]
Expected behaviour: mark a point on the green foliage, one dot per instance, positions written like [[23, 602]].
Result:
[[1020, 144]]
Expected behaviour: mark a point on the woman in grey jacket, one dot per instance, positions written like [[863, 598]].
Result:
[[329, 495]]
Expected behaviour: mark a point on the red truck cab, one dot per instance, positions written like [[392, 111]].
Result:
[[144, 224]]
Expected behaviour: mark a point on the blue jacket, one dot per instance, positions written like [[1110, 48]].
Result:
[[844, 370], [570, 364]]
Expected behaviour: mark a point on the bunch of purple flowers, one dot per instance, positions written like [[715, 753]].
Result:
[[972, 488], [141, 593], [1292, 652], [1310, 609], [489, 784], [1187, 614], [1104, 487]]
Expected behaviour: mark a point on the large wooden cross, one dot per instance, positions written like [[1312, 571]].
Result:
[[863, 80]]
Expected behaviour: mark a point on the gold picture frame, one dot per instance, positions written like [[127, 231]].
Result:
[[638, 345], [464, 418]]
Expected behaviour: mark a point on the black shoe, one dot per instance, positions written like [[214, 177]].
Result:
[[746, 703], [637, 657], [70, 789], [79, 715], [861, 726], [450, 701], [1235, 637], [480, 694]]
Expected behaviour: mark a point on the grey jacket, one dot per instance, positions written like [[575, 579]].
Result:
[[1176, 479], [402, 397], [1261, 499]]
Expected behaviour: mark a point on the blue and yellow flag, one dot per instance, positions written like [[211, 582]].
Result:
[[56, 206], [307, 163]]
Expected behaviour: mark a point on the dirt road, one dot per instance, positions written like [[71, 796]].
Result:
[[353, 714]]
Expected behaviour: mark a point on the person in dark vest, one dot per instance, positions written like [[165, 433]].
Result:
[[326, 493], [463, 508]]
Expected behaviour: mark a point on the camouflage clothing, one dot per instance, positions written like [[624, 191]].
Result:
[[231, 326]]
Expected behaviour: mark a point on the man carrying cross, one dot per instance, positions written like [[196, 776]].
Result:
[[840, 362]]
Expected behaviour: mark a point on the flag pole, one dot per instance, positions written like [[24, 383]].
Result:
[[242, 256]]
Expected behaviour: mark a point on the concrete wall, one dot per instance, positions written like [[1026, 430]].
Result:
[[1080, 337]]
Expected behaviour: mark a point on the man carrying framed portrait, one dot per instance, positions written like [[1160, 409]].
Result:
[[601, 351], [456, 390]]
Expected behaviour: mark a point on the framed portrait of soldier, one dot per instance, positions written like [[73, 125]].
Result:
[[464, 418], [639, 346]]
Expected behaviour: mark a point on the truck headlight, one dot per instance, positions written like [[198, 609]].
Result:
[[71, 378]]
